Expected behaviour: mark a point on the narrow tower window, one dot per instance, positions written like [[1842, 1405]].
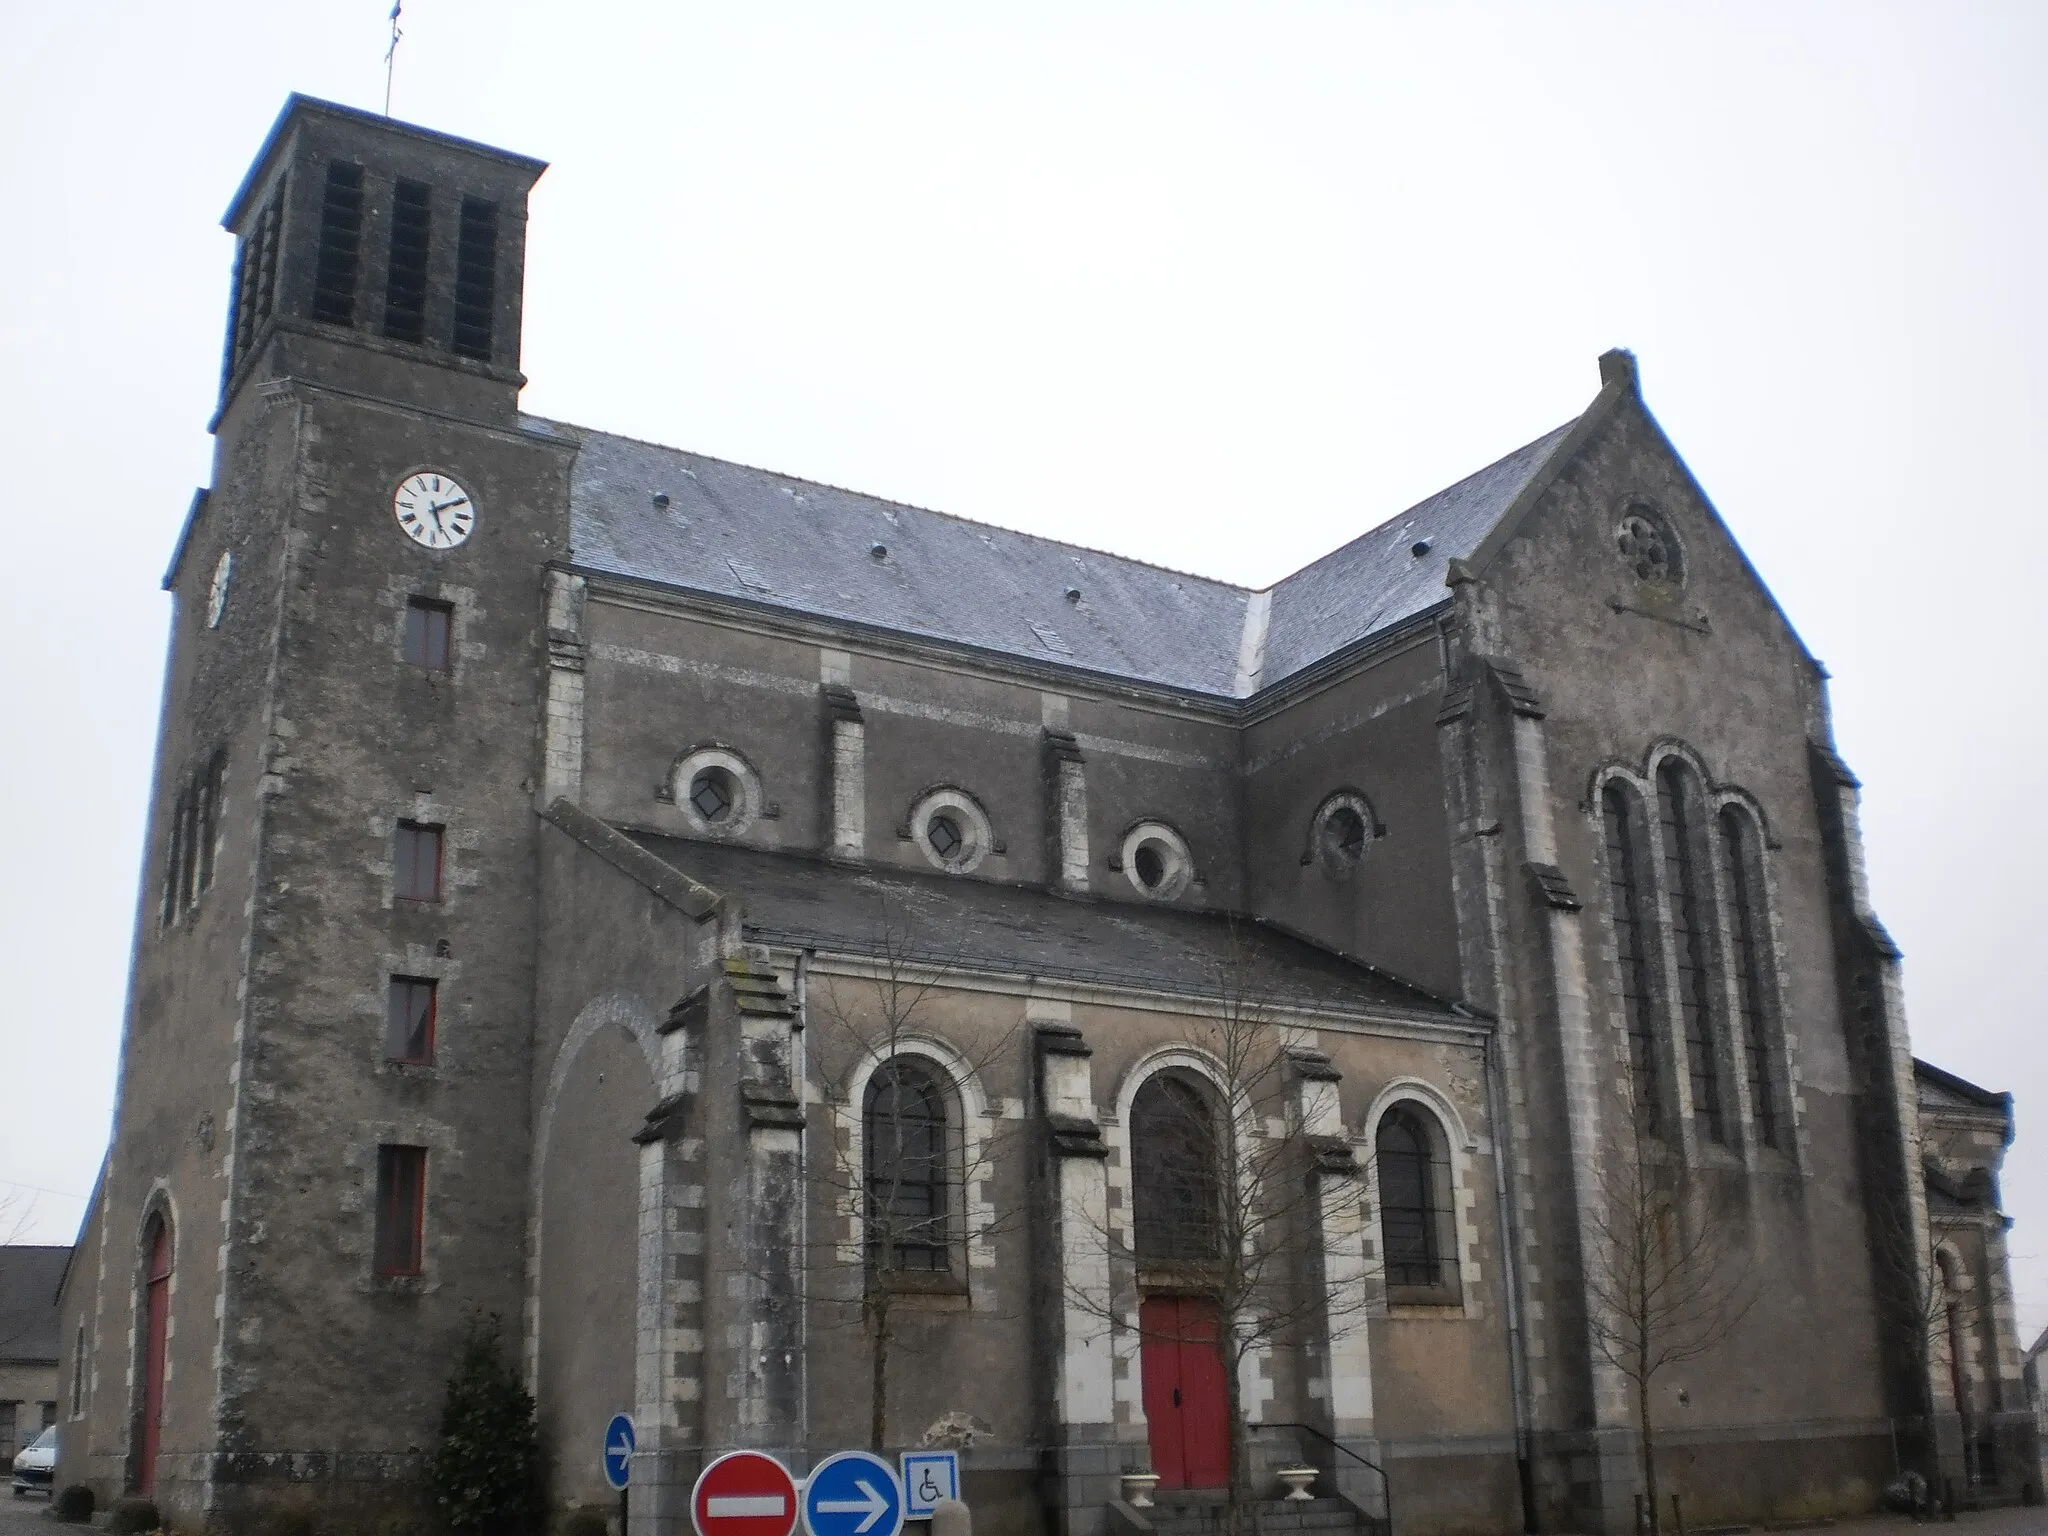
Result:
[[1677, 823], [476, 284], [401, 1208], [1624, 891], [405, 287], [416, 862], [409, 1021], [1745, 921], [341, 227], [428, 632]]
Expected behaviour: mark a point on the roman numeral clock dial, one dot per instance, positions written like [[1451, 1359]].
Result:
[[432, 510]]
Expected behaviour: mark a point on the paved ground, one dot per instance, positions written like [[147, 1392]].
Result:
[[24, 1517], [1996, 1522]]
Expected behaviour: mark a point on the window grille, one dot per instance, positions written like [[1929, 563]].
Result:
[[476, 278], [1694, 979], [405, 285], [341, 227], [907, 1170], [401, 1209], [1745, 914], [1176, 1183], [409, 1020], [1631, 949]]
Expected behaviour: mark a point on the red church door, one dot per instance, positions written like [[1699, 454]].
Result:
[[1185, 1411], [156, 1323]]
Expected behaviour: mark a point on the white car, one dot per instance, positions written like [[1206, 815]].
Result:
[[36, 1466]]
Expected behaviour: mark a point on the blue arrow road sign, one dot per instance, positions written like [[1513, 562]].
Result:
[[853, 1494], [618, 1450]]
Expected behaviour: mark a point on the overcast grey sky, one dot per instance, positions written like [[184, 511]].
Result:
[[1218, 286]]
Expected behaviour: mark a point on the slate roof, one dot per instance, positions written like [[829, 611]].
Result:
[[974, 924], [756, 537], [1376, 580], [29, 1277]]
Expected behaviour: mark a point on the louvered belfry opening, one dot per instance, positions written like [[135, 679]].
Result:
[[405, 287], [255, 280], [341, 229], [476, 263]]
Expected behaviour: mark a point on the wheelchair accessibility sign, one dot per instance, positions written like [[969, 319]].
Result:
[[929, 1476]]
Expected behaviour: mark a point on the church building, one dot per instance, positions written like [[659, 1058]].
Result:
[[822, 972]]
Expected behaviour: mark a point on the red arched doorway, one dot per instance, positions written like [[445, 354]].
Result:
[[156, 1310]]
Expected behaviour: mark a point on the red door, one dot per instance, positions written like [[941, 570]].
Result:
[[157, 1318], [1185, 1410]]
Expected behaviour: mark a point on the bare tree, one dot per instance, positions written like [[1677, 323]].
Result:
[[1666, 1280], [904, 1155], [1238, 1201]]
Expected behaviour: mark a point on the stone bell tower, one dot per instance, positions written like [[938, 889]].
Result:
[[380, 257]]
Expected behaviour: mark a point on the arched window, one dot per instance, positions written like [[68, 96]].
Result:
[[1746, 950], [1631, 952], [1678, 824], [1417, 1235], [909, 1168], [1176, 1171], [157, 1250]]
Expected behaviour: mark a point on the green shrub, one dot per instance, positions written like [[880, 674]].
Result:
[[133, 1517], [73, 1505], [486, 1475], [585, 1522]]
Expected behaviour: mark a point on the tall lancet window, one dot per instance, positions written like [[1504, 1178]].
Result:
[[1746, 946], [1678, 819], [1631, 951]]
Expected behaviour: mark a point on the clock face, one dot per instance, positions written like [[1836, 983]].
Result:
[[433, 510], [217, 598]]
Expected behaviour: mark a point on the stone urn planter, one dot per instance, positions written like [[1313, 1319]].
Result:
[[1297, 1480], [1138, 1488]]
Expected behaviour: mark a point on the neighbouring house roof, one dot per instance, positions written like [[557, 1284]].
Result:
[[764, 539], [976, 925], [1937, 1087], [29, 1277]]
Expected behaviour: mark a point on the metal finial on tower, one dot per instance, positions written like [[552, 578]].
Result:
[[391, 53]]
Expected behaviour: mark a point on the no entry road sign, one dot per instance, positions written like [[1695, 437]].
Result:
[[853, 1493], [744, 1493], [618, 1450]]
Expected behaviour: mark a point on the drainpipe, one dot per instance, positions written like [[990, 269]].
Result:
[[1518, 1364]]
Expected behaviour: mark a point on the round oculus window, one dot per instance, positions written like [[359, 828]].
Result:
[[716, 790], [713, 793], [1648, 548], [1156, 861], [951, 830], [1342, 831]]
